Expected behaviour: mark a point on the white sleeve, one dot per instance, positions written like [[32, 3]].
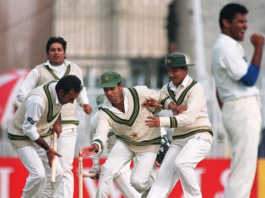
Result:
[[82, 98], [103, 127], [194, 106], [34, 110], [93, 124], [234, 63], [28, 84]]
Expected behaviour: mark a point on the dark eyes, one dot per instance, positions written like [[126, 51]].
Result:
[[52, 50]]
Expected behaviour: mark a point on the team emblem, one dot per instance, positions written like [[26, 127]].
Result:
[[134, 135], [31, 120]]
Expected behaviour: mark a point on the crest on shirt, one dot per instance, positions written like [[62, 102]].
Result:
[[245, 58], [134, 135], [31, 120]]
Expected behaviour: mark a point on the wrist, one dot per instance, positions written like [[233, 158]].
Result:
[[96, 148], [47, 151], [171, 105]]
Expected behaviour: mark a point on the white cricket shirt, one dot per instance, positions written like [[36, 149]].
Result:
[[35, 107], [229, 65]]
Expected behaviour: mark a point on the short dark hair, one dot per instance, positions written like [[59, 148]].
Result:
[[69, 82], [182, 67], [55, 39], [228, 12]]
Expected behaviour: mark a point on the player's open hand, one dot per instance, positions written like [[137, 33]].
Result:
[[151, 103], [152, 121], [89, 150]]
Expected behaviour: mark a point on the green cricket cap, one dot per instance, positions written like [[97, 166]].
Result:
[[100, 100], [110, 79], [176, 60]]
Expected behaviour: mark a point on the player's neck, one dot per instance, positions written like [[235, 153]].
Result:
[[119, 104]]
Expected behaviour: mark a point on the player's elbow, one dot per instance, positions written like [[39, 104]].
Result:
[[248, 82], [251, 77]]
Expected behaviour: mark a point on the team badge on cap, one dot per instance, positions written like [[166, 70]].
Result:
[[176, 60], [110, 79]]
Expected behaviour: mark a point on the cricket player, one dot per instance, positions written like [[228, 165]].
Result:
[[192, 136], [122, 178], [56, 67], [122, 111], [30, 130]]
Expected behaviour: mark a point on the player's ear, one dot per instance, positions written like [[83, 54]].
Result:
[[60, 93], [120, 85], [226, 23]]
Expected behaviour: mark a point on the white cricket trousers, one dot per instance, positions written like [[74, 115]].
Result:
[[119, 156], [179, 164], [122, 181], [242, 121], [66, 147], [38, 183]]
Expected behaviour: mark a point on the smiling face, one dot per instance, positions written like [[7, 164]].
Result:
[[56, 54], [237, 28], [177, 74], [114, 94]]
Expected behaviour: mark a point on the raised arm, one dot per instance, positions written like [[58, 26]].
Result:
[[28, 84], [251, 77], [82, 99], [258, 42]]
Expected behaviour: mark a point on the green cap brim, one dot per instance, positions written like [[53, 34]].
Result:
[[162, 64], [109, 84]]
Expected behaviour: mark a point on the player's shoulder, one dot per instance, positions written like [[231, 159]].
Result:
[[225, 44], [40, 65], [164, 88], [140, 87], [143, 90], [103, 113], [196, 86], [72, 64]]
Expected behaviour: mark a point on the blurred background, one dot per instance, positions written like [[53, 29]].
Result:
[[127, 36]]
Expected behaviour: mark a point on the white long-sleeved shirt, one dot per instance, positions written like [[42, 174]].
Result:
[[130, 125], [229, 65], [32, 78], [195, 118], [34, 110]]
